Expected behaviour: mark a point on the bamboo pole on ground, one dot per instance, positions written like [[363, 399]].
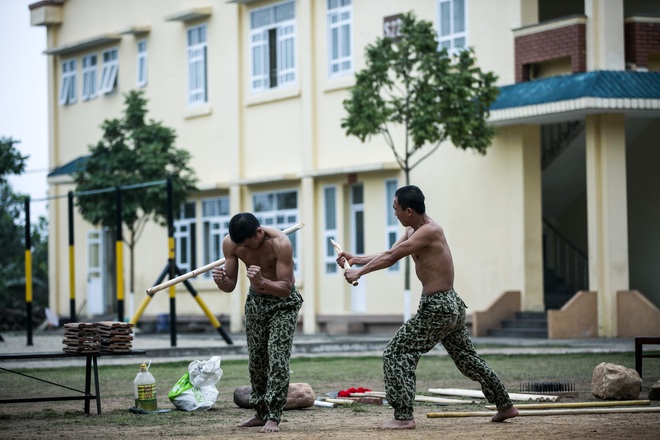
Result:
[[428, 399], [480, 395], [578, 404], [546, 412]]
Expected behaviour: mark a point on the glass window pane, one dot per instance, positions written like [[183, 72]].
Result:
[[284, 12], [445, 19], [330, 208], [459, 16], [357, 194], [359, 232]]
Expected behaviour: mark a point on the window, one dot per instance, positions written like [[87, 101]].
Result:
[[142, 63], [357, 218], [330, 227], [89, 77], [197, 65], [279, 210], [339, 37], [452, 32], [68, 83], [392, 224], [109, 72], [272, 46], [185, 237], [215, 225]]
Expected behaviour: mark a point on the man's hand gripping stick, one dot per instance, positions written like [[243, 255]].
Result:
[[338, 250]]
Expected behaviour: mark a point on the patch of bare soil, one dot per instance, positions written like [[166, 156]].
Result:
[[66, 421]]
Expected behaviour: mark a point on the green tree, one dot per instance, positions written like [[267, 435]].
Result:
[[12, 243], [409, 82], [133, 151], [433, 96]]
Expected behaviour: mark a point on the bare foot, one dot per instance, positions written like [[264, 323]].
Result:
[[254, 421], [270, 426], [398, 424], [504, 414]]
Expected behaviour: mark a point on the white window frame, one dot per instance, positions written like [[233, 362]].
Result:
[[215, 226], [110, 59], [68, 82], [340, 29], [142, 66], [391, 222], [89, 75], [449, 37], [329, 228], [261, 47], [197, 64], [185, 237], [269, 210]]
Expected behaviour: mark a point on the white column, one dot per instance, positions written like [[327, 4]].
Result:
[[607, 215], [605, 39]]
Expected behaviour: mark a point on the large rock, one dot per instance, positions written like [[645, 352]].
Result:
[[654, 394], [615, 382], [300, 395]]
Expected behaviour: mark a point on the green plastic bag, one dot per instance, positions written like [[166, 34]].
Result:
[[185, 397]]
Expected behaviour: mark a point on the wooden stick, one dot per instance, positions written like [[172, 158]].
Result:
[[428, 399], [339, 401], [577, 404], [206, 268], [547, 412], [338, 250], [324, 404], [480, 395]]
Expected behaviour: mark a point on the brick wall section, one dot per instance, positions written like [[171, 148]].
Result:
[[551, 45], [641, 39]]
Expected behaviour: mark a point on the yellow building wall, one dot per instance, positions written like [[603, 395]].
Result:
[[269, 141]]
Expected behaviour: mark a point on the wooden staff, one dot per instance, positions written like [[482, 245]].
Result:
[[200, 270], [480, 394], [338, 250], [547, 412], [418, 398], [578, 404]]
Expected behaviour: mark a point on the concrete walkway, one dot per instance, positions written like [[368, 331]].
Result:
[[201, 346]]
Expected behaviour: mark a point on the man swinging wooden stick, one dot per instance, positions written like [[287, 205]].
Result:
[[440, 317]]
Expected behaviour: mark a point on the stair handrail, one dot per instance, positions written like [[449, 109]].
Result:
[[578, 279]]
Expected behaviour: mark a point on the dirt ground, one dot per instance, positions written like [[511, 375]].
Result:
[[66, 421]]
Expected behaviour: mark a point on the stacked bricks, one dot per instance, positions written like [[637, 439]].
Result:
[[116, 337], [81, 337]]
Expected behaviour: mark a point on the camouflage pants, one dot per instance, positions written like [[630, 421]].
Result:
[[270, 323], [440, 318]]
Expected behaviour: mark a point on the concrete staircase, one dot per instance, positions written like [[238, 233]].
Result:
[[524, 325]]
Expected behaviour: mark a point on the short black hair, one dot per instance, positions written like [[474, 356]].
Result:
[[243, 226], [410, 196]]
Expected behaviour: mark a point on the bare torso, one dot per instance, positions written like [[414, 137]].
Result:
[[268, 256], [433, 261]]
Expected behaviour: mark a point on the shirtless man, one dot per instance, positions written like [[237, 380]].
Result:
[[271, 311], [440, 316]]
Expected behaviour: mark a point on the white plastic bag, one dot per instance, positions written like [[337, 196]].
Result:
[[196, 390]]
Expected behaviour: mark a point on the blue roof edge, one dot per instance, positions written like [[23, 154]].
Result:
[[595, 84]]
